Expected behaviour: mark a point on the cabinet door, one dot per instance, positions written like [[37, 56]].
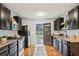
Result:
[[64, 49], [60, 46], [7, 15], [4, 15], [3, 22], [57, 24], [21, 46], [73, 18], [57, 44], [75, 49], [54, 42], [13, 49]]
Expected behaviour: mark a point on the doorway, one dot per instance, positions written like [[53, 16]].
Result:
[[39, 34]]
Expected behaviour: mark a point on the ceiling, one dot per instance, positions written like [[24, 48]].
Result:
[[28, 10]]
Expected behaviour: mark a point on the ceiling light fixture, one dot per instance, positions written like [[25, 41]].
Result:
[[40, 14]]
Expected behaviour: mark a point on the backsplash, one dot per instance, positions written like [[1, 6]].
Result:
[[69, 32], [8, 33], [73, 32]]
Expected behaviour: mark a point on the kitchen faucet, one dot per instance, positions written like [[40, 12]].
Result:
[[65, 33]]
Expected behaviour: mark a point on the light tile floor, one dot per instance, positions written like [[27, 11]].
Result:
[[40, 51]]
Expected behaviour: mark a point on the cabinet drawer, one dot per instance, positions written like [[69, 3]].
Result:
[[13, 50], [4, 51], [3, 48]]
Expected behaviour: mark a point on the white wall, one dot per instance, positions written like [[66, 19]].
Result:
[[32, 26], [13, 14]]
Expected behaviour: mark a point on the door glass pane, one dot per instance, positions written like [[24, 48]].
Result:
[[39, 34]]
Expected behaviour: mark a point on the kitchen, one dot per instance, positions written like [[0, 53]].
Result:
[[18, 34]]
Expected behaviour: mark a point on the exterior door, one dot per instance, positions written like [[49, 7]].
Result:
[[47, 34], [39, 34]]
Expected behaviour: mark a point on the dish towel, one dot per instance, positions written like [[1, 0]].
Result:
[[40, 51]]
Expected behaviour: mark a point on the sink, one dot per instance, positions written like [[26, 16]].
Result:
[[5, 38], [11, 37]]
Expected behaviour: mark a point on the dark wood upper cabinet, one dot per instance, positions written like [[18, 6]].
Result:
[[58, 23], [4, 15], [19, 21], [24, 28], [73, 22], [23, 31]]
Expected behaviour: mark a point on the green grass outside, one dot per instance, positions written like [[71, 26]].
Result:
[[39, 36]]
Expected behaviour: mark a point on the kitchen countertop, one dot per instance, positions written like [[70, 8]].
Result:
[[69, 38], [7, 42]]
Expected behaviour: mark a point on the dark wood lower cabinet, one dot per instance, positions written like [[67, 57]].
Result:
[[73, 48], [65, 47], [60, 46], [13, 49], [21, 46], [54, 42], [57, 44], [4, 51]]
